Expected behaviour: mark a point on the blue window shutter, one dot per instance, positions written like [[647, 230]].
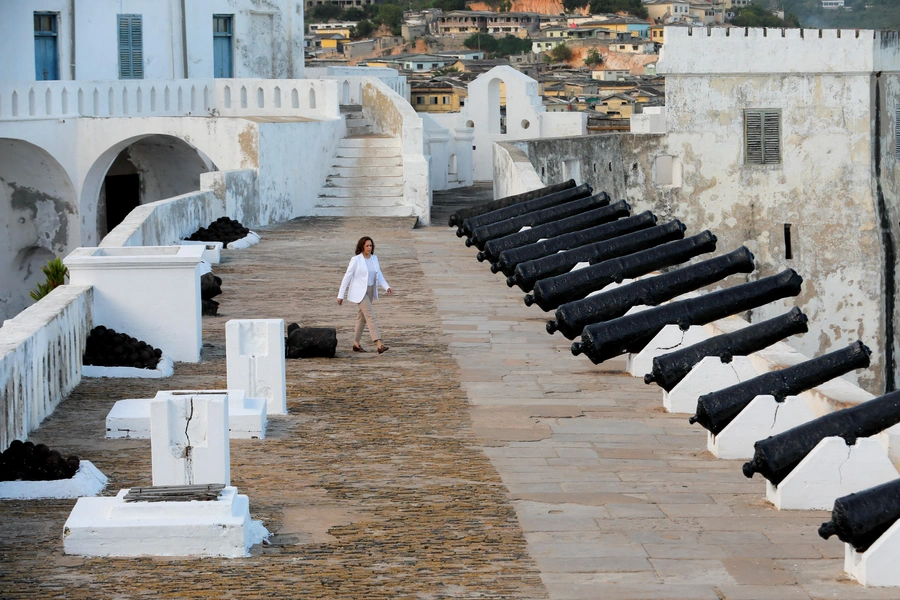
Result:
[[131, 47]]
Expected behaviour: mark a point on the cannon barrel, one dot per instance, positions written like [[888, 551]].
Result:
[[717, 409], [669, 369], [598, 216], [861, 518], [510, 259], [530, 272], [632, 333], [555, 291], [776, 456], [573, 317], [462, 214], [499, 229], [521, 208]]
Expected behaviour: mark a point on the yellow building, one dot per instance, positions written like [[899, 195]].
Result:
[[657, 34], [436, 96], [616, 105]]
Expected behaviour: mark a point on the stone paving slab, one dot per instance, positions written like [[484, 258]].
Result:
[[620, 500]]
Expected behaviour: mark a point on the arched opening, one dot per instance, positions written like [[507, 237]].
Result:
[[148, 169], [451, 165], [345, 92], [39, 210], [495, 117]]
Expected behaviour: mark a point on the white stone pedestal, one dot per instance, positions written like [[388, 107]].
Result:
[[255, 360], [165, 368], [189, 439], [88, 481], [709, 375], [833, 469], [212, 251], [113, 527], [877, 566], [246, 416], [149, 292], [671, 338], [760, 419]]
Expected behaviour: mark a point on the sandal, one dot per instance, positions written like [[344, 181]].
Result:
[[360, 349], [383, 349]]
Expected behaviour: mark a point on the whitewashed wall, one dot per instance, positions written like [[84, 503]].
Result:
[[268, 37]]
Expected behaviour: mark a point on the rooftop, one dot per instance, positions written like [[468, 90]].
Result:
[[477, 458]]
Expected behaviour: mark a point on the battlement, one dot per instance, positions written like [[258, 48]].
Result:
[[740, 50]]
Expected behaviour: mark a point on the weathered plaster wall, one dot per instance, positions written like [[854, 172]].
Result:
[[238, 191], [37, 216], [164, 222], [268, 37], [513, 173]]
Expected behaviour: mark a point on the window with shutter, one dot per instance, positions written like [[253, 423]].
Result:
[[762, 136], [131, 47], [897, 130]]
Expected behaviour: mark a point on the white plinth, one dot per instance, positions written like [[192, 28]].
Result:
[[708, 375], [877, 566], [165, 368], [149, 292], [669, 339], [113, 527], [212, 251], [251, 239], [88, 481], [254, 351], [189, 438], [246, 417], [760, 419], [833, 469]]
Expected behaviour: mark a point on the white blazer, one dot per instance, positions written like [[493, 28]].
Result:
[[356, 279]]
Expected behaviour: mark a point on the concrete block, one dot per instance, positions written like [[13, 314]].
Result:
[[246, 416], [877, 566], [255, 360], [113, 527], [671, 338], [189, 438], [165, 368], [212, 251], [709, 375], [760, 419], [149, 292], [833, 469], [88, 481]]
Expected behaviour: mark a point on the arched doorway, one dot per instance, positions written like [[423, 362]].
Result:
[[151, 168], [38, 216], [496, 106]]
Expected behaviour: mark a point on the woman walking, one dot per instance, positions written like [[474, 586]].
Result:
[[360, 283]]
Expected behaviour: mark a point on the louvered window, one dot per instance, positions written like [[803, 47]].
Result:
[[762, 136], [897, 130], [131, 47]]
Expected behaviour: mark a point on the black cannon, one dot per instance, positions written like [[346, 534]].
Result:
[[499, 229], [573, 317], [464, 213], [598, 216], [521, 208], [632, 333], [510, 259], [669, 369], [717, 409], [555, 291], [861, 518], [528, 273], [776, 456]]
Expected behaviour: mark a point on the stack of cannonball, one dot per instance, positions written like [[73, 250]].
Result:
[[223, 230], [109, 348], [210, 287], [29, 462]]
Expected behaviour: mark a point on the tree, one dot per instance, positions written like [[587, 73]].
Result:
[[592, 58], [353, 14], [632, 7], [561, 53], [573, 5], [510, 44], [56, 273], [390, 15], [448, 5], [324, 12], [364, 29], [754, 15], [481, 41]]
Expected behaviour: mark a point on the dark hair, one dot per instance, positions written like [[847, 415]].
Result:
[[362, 242]]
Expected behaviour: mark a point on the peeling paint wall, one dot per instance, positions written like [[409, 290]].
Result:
[[37, 206]]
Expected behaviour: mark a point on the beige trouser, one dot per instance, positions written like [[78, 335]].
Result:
[[366, 315]]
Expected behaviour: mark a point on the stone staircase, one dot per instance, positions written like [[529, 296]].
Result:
[[366, 178]]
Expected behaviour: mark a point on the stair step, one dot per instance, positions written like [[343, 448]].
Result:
[[365, 152], [363, 169], [384, 202], [363, 211], [368, 161], [361, 192], [369, 141], [363, 182]]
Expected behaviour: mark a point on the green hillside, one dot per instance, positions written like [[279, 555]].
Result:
[[863, 14]]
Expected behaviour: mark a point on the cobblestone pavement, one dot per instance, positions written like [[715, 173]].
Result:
[[476, 459], [373, 482], [618, 499]]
